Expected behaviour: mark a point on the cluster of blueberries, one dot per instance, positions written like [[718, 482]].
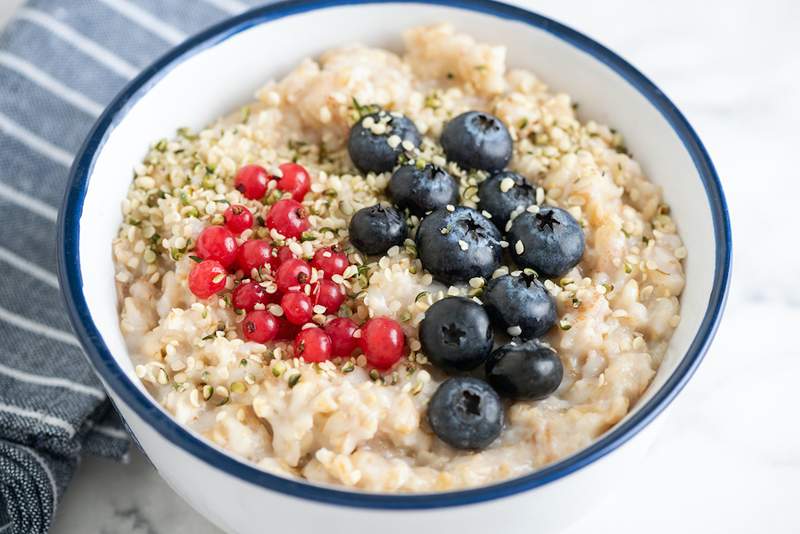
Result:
[[458, 243]]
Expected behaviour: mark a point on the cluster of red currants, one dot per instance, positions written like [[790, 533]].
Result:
[[300, 298]]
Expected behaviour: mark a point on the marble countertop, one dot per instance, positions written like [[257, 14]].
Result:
[[728, 459]]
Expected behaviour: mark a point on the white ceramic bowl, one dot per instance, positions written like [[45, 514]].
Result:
[[219, 70]]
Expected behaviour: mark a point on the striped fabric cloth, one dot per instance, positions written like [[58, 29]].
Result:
[[61, 62]]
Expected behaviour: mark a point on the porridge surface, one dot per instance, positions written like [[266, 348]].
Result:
[[341, 422]]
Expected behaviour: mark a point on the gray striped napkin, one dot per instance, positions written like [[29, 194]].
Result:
[[61, 62]]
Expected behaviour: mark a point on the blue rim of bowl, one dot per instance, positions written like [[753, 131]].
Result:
[[121, 384]]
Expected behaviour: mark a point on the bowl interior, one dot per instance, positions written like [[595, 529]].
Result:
[[223, 73]]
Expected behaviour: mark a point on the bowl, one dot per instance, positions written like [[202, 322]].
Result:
[[218, 70]]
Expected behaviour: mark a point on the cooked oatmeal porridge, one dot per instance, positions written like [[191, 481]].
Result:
[[398, 273]]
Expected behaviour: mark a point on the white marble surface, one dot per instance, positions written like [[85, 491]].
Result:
[[729, 457]]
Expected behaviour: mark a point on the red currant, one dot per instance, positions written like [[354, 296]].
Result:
[[286, 330], [285, 253], [382, 342], [313, 345], [292, 274], [207, 278], [238, 218], [248, 294], [254, 254], [251, 181], [329, 261], [288, 217], [297, 307], [217, 243], [260, 326], [295, 180], [329, 294], [342, 333]]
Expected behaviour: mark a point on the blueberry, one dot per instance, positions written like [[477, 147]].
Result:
[[513, 301], [422, 190], [503, 193], [550, 242], [456, 334], [466, 413], [371, 152], [529, 370], [477, 140], [457, 245], [376, 229]]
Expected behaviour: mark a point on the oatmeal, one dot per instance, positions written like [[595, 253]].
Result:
[[398, 273]]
